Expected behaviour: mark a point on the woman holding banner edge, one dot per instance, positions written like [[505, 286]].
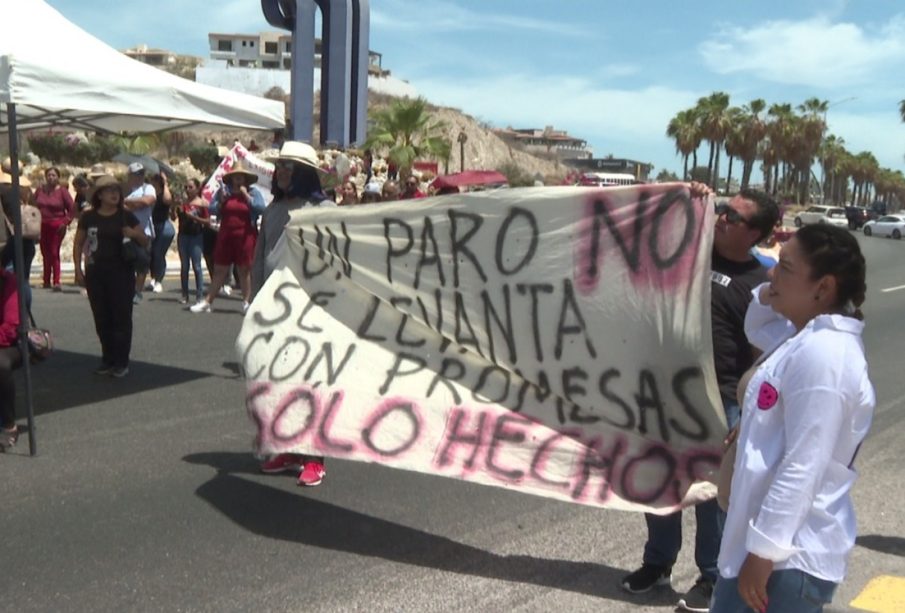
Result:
[[296, 185]]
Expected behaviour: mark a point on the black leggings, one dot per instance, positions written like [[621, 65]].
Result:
[[10, 359], [110, 290]]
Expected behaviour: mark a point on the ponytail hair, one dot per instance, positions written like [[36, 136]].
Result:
[[831, 250]]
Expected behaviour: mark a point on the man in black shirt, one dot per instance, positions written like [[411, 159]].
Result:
[[741, 223]]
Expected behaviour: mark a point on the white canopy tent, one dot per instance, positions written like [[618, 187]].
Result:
[[66, 77]]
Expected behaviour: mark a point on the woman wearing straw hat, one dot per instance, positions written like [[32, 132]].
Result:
[[108, 276], [7, 255], [239, 204], [296, 185]]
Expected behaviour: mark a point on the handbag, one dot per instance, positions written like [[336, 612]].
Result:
[[133, 253], [31, 222], [40, 342]]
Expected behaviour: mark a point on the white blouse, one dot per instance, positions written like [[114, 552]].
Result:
[[805, 413]]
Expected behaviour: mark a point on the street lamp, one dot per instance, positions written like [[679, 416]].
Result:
[[462, 139]]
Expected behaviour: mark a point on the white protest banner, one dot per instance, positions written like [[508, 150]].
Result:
[[255, 164], [551, 340]]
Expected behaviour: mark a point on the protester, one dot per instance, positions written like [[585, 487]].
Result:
[[412, 189], [161, 216], [56, 206], [740, 224], [371, 193], [238, 204], [806, 409], [8, 254], [81, 186], [349, 193], [107, 275], [10, 358], [140, 200], [367, 163], [390, 190], [193, 218], [296, 185]]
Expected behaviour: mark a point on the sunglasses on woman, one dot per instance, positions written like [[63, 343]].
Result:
[[733, 217]]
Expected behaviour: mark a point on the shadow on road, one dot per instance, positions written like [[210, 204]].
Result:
[[893, 545], [276, 514], [67, 380]]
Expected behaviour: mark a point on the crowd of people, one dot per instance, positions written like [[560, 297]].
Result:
[[787, 348]]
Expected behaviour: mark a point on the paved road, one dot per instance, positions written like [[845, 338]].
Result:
[[144, 496]]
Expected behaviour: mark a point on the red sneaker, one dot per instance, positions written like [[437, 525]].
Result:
[[313, 472], [281, 462]]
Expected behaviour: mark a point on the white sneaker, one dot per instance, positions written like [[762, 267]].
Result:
[[226, 291], [245, 306], [202, 307], [158, 287], [149, 284]]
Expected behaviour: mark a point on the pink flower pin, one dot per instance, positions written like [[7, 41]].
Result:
[[767, 397]]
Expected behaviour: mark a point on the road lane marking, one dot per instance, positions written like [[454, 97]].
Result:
[[892, 289], [883, 594]]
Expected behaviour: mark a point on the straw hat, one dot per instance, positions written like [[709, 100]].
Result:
[[7, 165], [241, 169], [6, 179], [298, 152], [98, 170], [100, 183]]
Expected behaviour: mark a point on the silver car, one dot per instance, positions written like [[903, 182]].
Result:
[[888, 225], [821, 214]]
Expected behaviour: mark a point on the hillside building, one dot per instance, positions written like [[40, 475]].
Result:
[[548, 141]]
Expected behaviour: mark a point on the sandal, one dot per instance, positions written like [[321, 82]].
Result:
[[8, 438]]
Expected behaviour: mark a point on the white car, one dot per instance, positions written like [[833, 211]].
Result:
[[821, 214], [888, 225]]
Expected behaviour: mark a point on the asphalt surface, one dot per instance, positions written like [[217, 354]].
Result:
[[144, 495]]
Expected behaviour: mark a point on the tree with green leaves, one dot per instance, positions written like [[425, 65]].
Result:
[[715, 123], [406, 131], [685, 130]]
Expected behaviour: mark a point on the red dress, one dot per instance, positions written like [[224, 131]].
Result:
[[237, 236]]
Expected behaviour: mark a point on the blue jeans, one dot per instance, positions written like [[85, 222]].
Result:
[[163, 238], [788, 591], [190, 247], [664, 532]]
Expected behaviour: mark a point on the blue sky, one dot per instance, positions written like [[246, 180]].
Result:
[[613, 73]]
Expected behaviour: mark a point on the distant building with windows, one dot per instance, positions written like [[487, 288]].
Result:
[[640, 170], [546, 141], [271, 50]]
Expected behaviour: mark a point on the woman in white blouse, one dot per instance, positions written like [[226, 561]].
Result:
[[806, 409]]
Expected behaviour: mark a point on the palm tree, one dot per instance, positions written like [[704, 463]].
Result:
[[830, 152], [735, 139], [715, 122], [685, 129], [754, 133], [902, 109], [407, 131], [780, 132]]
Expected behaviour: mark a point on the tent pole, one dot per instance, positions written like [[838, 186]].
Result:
[[20, 275]]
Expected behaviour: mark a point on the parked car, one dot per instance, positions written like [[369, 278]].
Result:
[[888, 225], [858, 216], [821, 214]]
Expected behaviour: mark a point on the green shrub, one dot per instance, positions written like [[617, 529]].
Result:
[[205, 158]]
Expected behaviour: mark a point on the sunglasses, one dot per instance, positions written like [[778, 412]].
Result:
[[733, 217], [283, 165]]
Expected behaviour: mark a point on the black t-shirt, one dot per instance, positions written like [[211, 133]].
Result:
[[730, 293], [6, 198], [104, 236], [161, 211]]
